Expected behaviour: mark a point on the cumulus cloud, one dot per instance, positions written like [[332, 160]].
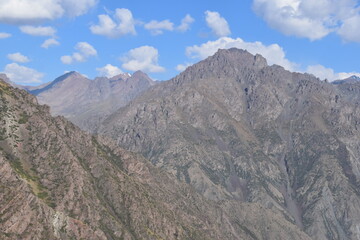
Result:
[[38, 31], [185, 23], [217, 24], [37, 11], [49, 42], [66, 59], [109, 71], [327, 73], [273, 53], [349, 30], [311, 19], [121, 24], [157, 28], [143, 58], [18, 57], [22, 75], [84, 51], [4, 35], [77, 8]]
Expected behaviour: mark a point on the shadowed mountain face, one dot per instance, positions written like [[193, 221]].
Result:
[[235, 128], [58, 182], [87, 102]]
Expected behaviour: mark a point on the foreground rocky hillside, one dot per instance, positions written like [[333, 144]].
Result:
[[237, 129], [87, 102], [58, 182]]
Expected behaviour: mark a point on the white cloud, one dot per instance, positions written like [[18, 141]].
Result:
[[217, 24], [143, 58], [185, 23], [77, 8], [38, 31], [123, 24], [4, 35], [273, 53], [18, 57], [182, 67], [157, 28], [84, 51], [328, 73], [49, 42], [311, 19], [350, 29], [37, 11], [109, 71], [66, 59], [22, 75]]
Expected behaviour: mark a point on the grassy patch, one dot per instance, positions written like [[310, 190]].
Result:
[[23, 118]]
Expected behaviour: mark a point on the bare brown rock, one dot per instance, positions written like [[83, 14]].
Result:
[[58, 182]]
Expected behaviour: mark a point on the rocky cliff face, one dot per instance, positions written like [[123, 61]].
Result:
[[58, 182], [235, 128], [87, 102]]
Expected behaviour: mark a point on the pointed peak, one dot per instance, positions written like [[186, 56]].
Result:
[[73, 75], [140, 74]]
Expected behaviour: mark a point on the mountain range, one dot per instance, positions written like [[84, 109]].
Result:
[[87, 102], [231, 148], [58, 182]]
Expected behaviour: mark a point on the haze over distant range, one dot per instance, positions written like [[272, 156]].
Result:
[[105, 38]]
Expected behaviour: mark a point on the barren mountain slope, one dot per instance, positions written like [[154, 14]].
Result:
[[58, 182], [235, 128]]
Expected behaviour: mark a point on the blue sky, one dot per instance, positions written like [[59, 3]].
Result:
[[161, 38]]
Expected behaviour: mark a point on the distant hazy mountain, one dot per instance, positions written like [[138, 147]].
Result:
[[86, 102], [58, 182], [235, 128], [352, 79]]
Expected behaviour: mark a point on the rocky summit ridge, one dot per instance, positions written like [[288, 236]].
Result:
[[235, 128]]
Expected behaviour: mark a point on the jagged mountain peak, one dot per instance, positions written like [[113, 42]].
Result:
[[224, 63], [240, 56]]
